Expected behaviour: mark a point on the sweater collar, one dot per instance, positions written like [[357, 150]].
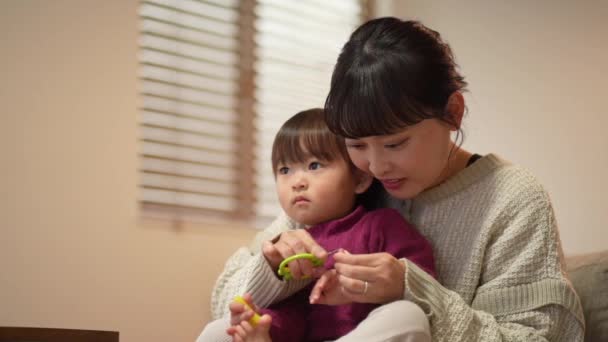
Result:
[[462, 179]]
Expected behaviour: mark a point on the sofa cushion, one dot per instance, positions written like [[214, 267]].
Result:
[[589, 276]]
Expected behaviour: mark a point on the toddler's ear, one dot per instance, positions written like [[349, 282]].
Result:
[[364, 180]]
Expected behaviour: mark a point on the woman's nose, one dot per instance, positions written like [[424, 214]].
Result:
[[378, 166]]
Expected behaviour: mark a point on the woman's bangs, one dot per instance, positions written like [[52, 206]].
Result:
[[361, 105]]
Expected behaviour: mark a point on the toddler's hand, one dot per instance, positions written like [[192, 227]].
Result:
[[243, 309], [246, 324]]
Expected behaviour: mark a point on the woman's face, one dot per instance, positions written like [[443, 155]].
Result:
[[407, 162]]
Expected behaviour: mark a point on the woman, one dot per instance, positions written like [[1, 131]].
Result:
[[396, 97]]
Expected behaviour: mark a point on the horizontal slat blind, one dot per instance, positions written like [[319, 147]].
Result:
[[297, 44], [189, 76], [217, 79]]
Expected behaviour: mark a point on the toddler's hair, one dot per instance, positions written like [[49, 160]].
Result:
[[306, 135]]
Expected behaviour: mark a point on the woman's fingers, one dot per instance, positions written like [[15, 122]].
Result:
[[356, 271], [374, 259], [328, 291], [371, 278], [296, 242], [327, 280], [286, 250], [272, 254]]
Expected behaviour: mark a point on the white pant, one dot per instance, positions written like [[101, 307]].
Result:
[[400, 321]]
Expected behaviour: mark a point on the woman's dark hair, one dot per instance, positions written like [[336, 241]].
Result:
[[391, 74], [304, 135]]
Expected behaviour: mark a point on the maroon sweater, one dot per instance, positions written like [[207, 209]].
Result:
[[361, 232]]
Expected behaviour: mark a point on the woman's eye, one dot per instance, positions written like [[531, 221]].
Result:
[[284, 170], [355, 146], [397, 144], [314, 166]]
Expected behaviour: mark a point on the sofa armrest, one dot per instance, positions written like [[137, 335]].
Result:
[[589, 276]]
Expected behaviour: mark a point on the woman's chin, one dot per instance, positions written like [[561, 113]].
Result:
[[403, 192]]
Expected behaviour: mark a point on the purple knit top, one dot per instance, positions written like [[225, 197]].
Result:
[[360, 232]]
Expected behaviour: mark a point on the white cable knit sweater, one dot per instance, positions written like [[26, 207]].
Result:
[[497, 253]]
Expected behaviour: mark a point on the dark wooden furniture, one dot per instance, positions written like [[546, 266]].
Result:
[[23, 334]]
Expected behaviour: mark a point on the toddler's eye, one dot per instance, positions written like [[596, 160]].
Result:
[[284, 170], [314, 166]]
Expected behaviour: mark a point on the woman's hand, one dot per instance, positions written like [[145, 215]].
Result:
[[364, 278], [327, 290], [290, 243]]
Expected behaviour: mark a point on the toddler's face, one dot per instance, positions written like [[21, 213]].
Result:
[[316, 191]]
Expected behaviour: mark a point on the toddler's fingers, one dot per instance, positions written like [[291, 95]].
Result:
[[245, 316], [247, 327], [264, 324], [236, 312], [239, 317], [240, 332], [236, 308], [265, 320], [249, 300]]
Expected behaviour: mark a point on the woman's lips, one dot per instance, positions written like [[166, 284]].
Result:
[[392, 184]]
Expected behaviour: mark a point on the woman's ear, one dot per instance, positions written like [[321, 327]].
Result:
[[455, 109], [364, 180]]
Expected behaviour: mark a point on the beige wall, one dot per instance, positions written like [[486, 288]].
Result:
[[537, 73], [73, 253]]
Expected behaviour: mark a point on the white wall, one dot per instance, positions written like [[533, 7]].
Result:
[[537, 73]]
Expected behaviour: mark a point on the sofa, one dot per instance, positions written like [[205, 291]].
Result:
[[589, 276]]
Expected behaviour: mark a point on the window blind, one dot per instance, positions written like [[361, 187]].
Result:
[[297, 43], [217, 79], [189, 71]]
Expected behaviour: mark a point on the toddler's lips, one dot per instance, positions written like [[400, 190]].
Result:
[[300, 199]]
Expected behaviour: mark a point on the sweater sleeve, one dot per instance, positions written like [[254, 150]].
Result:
[[248, 271], [522, 293]]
